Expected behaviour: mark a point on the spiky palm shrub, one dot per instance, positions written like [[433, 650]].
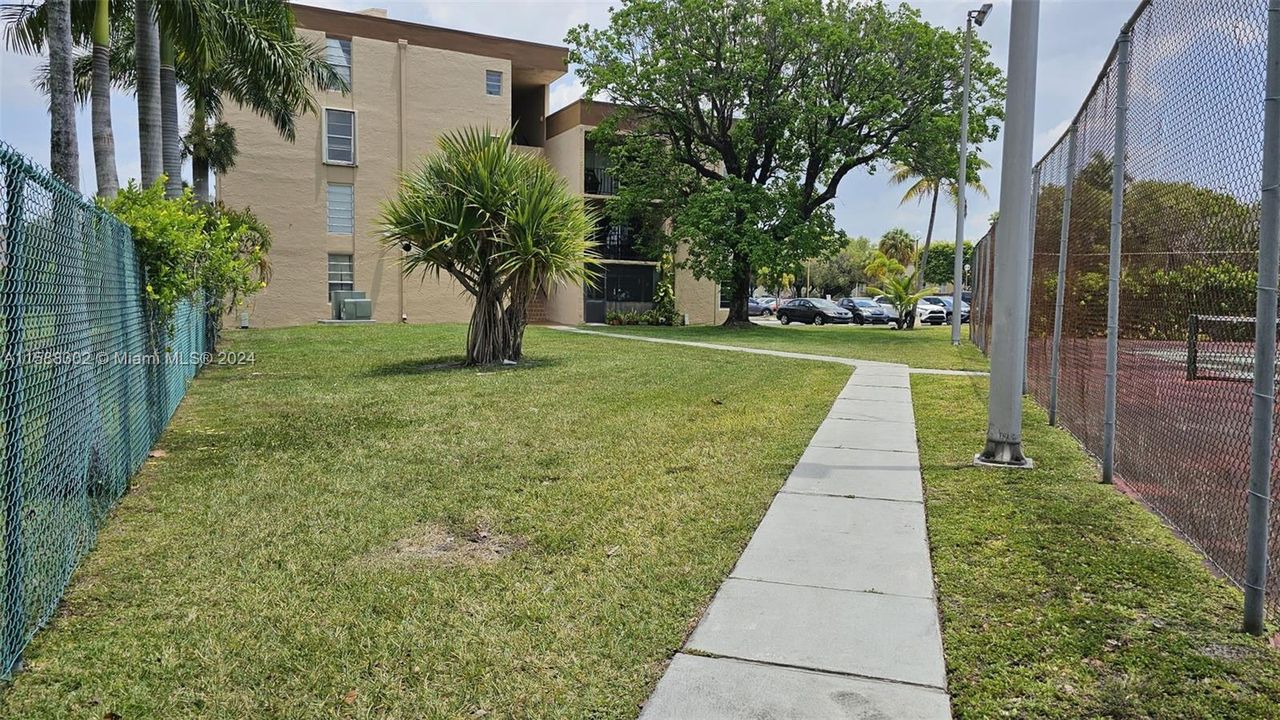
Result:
[[901, 293], [499, 222]]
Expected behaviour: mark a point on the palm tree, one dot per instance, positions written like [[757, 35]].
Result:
[[243, 50], [500, 222], [929, 185], [104, 141], [147, 77], [170, 137], [64, 152], [898, 244], [901, 292], [248, 52]]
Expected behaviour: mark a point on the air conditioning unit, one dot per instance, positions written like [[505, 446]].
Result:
[[337, 297], [357, 309]]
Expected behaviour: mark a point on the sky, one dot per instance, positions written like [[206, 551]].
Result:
[[1075, 38]]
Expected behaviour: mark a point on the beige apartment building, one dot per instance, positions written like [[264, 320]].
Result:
[[410, 83]]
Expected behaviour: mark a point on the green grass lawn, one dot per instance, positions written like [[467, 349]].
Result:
[[251, 572], [1062, 598], [287, 555], [924, 347]]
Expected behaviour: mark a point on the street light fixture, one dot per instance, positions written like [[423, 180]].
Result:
[[979, 16]]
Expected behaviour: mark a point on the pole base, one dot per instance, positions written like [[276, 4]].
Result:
[[1003, 455]]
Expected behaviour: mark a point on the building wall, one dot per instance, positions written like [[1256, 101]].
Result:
[[565, 154], [405, 97], [698, 300]]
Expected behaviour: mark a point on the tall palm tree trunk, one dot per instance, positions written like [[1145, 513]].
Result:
[[104, 143], [928, 235], [147, 53], [64, 152], [172, 138], [199, 161]]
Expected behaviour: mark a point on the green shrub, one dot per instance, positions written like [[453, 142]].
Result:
[[184, 248]]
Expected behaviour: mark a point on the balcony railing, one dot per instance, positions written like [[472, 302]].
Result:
[[618, 242], [598, 181]]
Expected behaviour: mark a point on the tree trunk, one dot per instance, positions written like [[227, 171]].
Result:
[[172, 137], [104, 142], [147, 53], [928, 237], [199, 161], [741, 281], [64, 152], [487, 333]]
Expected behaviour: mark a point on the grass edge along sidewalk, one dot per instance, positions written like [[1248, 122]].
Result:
[[1063, 598]]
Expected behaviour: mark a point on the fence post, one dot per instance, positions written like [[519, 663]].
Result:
[[1031, 264], [1193, 347], [1264, 353], [13, 626], [1009, 344], [1113, 276], [1055, 352]]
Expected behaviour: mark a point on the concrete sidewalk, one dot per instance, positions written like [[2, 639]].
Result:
[[830, 611]]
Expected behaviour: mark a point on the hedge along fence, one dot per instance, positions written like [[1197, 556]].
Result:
[[89, 380]]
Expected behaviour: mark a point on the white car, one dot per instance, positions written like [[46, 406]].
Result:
[[931, 312]]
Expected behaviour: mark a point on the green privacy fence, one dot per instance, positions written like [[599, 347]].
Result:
[[89, 380]]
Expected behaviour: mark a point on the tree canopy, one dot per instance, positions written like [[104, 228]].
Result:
[[743, 116]]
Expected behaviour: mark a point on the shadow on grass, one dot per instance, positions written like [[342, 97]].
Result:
[[454, 364]]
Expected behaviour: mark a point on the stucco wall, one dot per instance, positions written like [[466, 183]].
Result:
[[285, 183], [698, 300]]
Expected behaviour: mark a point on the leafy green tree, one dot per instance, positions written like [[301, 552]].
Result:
[[499, 222], [938, 269], [899, 245], [881, 266], [844, 271], [743, 116]]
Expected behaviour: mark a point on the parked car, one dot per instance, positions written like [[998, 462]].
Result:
[[890, 311], [770, 304], [813, 310], [865, 310], [932, 311], [754, 307], [945, 301]]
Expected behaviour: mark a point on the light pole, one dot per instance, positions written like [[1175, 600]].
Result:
[[1009, 310], [972, 18]]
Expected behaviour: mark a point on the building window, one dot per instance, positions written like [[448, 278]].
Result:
[[340, 136], [337, 52], [493, 82], [342, 274], [341, 209]]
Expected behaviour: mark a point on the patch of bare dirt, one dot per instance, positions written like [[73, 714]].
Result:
[[1220, 651], [437, 544]]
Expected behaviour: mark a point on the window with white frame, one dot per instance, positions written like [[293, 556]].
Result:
[[337, 52], [341, 208], [725, 293], [493, 82], [340, 136], [342, 274]]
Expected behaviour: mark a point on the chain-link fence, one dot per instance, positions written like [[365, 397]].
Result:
[[89, 382], [1189, 257], [983, 279]]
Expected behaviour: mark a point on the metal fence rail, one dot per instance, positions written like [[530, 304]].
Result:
[[1192, 168], [89, 381]]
